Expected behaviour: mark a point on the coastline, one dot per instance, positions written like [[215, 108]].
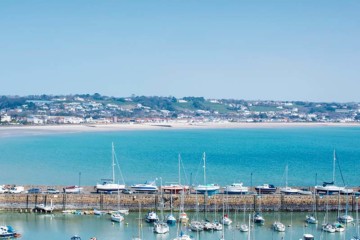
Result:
[[8, 131]]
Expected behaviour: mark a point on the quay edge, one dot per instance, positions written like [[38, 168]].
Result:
[[86, 201]]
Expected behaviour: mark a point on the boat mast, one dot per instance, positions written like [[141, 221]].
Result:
[[286, 176], [113, 162], [179, 159], [204, 158], [334, 167]]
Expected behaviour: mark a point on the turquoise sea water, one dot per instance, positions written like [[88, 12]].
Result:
[[232, 155]]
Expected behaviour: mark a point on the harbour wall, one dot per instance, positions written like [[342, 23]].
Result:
[[274, 202]]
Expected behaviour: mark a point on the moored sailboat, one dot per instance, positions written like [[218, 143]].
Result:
[[110, 185], [208, 189]]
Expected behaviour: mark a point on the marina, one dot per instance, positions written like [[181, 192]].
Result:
[[287, 204]]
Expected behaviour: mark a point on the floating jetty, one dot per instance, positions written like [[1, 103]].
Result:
[[87, 201]]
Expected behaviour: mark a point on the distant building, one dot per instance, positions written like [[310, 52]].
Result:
[[5, 118]]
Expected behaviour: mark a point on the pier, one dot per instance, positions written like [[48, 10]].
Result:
[[90, 201]]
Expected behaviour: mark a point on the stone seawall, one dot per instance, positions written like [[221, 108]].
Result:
[[274, 202]]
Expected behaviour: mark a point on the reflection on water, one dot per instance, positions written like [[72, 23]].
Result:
[[61, 227]]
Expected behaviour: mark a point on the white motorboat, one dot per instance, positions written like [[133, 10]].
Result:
[[244, 228], [72, 189], [161, 227], [236, 188], [217, 226], [8, 232], [208, 189], [151, 217], [311, 219], [278, 226], [346, 218], [208, 226], [117, 217], [305, 191], [110, 185], [329, 188], [347, 191], [328, 228], [196, 226], [226, 220], [148, 186], [308, 236]]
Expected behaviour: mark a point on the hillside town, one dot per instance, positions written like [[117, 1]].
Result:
[[95, 108]]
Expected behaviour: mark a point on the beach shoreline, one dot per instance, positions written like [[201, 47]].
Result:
[[7, 131]]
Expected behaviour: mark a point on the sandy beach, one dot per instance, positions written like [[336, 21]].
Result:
[[8, 131]]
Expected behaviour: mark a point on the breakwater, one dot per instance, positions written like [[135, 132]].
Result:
[[274, 202]]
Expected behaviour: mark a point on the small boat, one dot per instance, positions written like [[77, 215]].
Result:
[[75, 237], [308, 236], [183, 218], [110, 185], [330, 188], [347, 191], [311, 219], [339, 227], [174, 188], [328, 228], [8, 232], [288, 190], [258, 218], [161, 227], [305, 191], [196, 226], [265, 189], [183, 236], [170, 219], [148, 187], [208, 226], [72, 189], [278, 226], [226, 220], [217, 226], [236, 188], [244, 228], [209, 189], [117, 217], [346, 218], [151, 217], [99, 212]]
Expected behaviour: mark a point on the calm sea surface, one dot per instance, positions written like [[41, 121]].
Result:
[[231, 154], [61, 227]]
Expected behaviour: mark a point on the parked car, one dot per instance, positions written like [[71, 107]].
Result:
[[3, 189], [127, 191], [52, 191], [34, 191], [17, 189]]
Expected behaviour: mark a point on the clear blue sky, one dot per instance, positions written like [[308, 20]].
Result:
[[276, 50]]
